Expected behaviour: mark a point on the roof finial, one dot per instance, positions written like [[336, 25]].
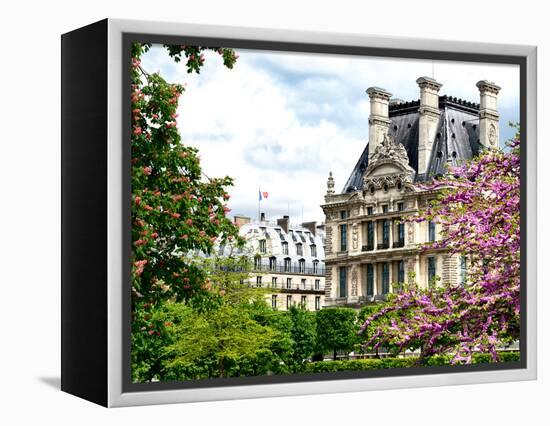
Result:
[[330, 184]]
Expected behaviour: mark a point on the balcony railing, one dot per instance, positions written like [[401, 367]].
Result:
[[292, 268], [368, 247], [383, 246], [398, 244], [294, 288]]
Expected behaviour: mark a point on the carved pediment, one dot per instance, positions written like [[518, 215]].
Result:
[[388, 165]]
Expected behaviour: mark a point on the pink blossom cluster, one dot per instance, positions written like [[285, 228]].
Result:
[[479, 210]]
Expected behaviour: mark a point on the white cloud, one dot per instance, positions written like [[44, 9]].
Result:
[[282, 121]]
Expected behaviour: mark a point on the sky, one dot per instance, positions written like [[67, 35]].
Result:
[[279, 122]]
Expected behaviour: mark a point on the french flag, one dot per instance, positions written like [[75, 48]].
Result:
[[262, 195]]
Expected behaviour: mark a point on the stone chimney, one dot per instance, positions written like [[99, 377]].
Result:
[[240, 220], [284, 223], [311, 227], [262, 217], [428, 120], [488, 114], [379, 119]]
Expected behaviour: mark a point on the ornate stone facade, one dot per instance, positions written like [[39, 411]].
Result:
[[371, 246]]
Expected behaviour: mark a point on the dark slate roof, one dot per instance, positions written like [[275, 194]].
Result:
[[457, 137]]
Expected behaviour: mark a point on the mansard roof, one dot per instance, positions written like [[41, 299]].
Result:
[[456, 139]]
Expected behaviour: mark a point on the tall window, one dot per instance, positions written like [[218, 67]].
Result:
[[370, 211], [343, 237], [299, 249], [343, 214], [463, 270], [272, 263], [289, 283], [401, 233], [370, 279], [317, 303], [313, 250], [262, 246], [401, 272], [431, 270], [258, 281], [287, 264], [303, 282], [288, 301], [274, 301], [386, 232], [401, 206], [315, 266], [370, 234], [285, 247], [317, 284], [385, 278], [385, 208], [343, 283], [303, 301], [257, 263], [302, 266], [274, 282], [431, 231]]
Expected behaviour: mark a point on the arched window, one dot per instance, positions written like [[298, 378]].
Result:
[[285, 247], [257, 263], [302, 266], [313, 248], [272, 263], [287, 264]]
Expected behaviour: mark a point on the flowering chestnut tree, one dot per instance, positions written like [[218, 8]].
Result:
[[176, 209], [479, 210]]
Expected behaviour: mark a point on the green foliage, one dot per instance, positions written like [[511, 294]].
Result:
[[408, 362], [229, 335], [477, 358], [359, 365], [336, 330], [303, 334]]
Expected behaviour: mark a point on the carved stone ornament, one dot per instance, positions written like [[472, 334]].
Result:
[[354, 236], [492, 134], [411, 233], [389, 152], [354, 281], [330, 184]]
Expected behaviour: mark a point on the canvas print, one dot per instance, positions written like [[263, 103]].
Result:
[[305, 213]]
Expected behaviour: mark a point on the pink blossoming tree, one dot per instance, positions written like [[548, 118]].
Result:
[[479, 210]]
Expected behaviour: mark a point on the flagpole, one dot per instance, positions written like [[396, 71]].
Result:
[[259, 201]]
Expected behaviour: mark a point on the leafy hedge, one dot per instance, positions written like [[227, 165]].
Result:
[[477, 358], [359, 364], [382, 363]]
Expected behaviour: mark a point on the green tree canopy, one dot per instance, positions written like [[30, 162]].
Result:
[[336, 330]]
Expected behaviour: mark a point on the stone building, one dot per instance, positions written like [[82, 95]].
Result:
[[368, 247], [288, 260]]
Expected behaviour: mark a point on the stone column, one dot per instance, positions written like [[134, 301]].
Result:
[[379, 121], [488, 114], [428, 120]]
